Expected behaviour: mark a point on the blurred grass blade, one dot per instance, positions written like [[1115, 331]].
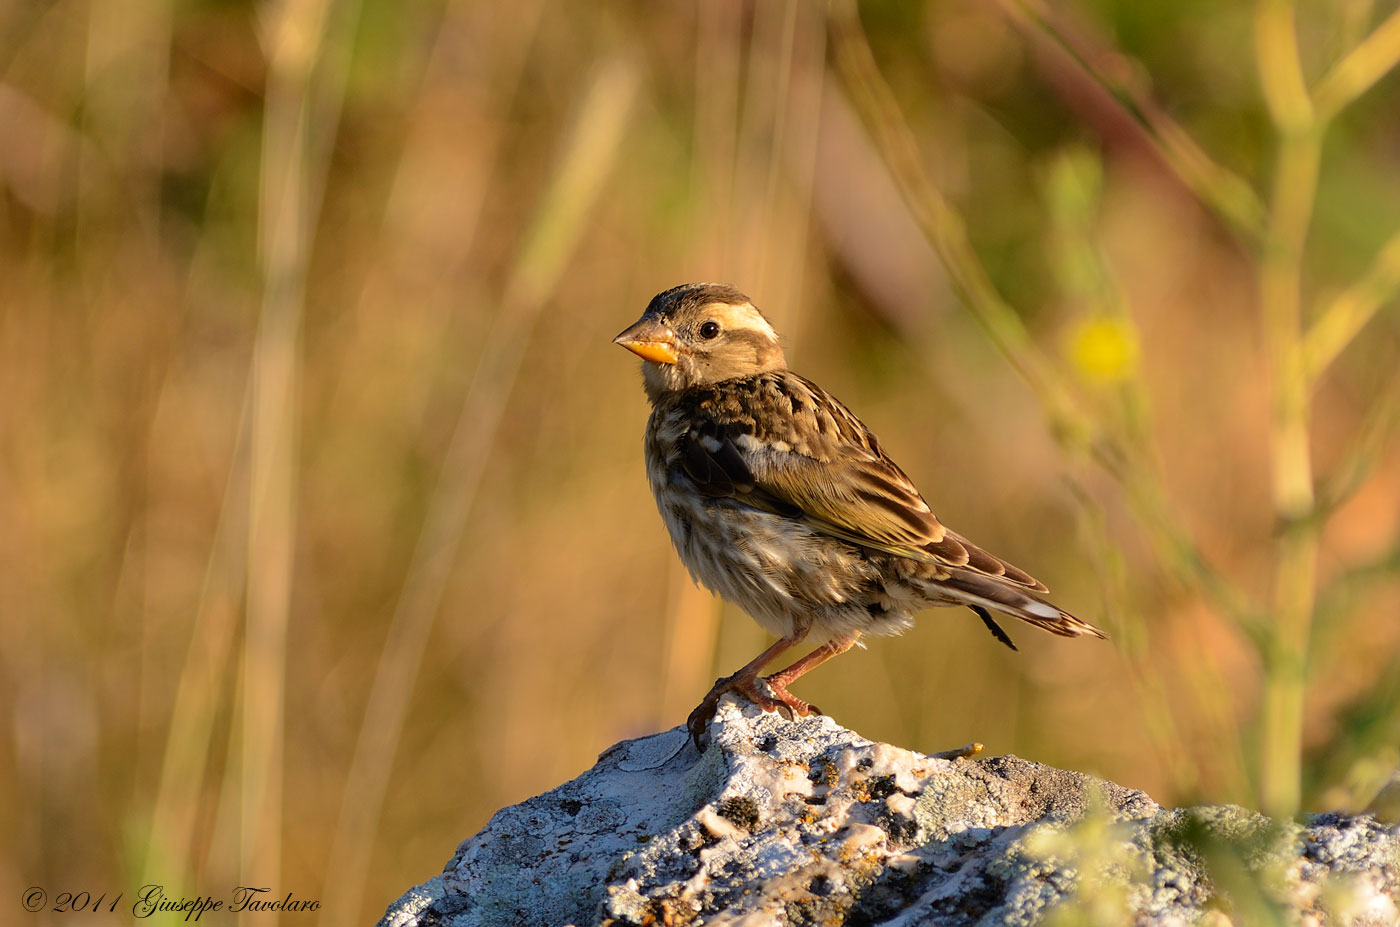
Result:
[[943, 226], [1357, 463], [204, 681], [1225, 192], [560, 220], [1159, 705], [305, 91], [1368, 724]]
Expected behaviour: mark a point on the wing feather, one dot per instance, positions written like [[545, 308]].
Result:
[[813, 459]]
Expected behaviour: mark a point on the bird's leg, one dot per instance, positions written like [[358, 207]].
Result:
[[744, 682], [778, 682]]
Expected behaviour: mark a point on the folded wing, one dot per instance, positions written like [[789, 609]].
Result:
[[818, 463]]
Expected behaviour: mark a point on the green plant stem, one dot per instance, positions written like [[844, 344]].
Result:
[[1280, 295]]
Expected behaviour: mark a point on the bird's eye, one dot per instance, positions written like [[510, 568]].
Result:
[[709, 330]]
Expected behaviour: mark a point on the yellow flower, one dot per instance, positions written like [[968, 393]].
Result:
[[1104, 349]]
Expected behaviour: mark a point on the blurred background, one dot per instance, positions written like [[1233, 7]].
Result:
[[323, 525]]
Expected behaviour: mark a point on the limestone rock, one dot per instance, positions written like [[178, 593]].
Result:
[[805, 822]]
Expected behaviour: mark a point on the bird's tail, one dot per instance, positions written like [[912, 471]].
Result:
[[979, 589]]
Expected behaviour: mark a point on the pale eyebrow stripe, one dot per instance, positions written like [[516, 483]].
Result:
[[741, 318]]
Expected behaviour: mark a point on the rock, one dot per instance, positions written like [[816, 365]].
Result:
[[805, 822]]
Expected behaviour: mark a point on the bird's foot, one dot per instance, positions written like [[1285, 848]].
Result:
[[784, 702], [763, 692]]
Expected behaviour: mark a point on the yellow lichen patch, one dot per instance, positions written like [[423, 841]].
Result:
[[792, 779], [860, 839]]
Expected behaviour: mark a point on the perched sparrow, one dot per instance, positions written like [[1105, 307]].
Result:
[[781, 501]]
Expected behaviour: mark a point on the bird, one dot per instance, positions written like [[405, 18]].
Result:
[[781, 501]]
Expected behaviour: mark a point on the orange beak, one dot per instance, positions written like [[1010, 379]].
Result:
[[650, 339]]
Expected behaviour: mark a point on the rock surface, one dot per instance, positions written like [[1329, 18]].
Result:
[[805, 822]]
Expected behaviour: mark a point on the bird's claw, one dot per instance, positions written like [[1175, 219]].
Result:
[[776, 698], [784, 702], [699, 720]]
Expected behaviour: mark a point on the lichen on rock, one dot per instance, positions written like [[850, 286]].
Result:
[[806, 823]]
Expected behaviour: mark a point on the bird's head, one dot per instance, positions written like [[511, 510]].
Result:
[[699, 334]]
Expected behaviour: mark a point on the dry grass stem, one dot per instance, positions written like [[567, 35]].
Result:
[[584, 162]]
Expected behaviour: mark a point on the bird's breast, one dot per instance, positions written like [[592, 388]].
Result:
[[776, 568]]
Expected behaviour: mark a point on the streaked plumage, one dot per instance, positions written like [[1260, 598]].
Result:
[[781, 501]]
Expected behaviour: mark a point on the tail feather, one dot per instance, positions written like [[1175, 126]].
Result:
[[978, 589]]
